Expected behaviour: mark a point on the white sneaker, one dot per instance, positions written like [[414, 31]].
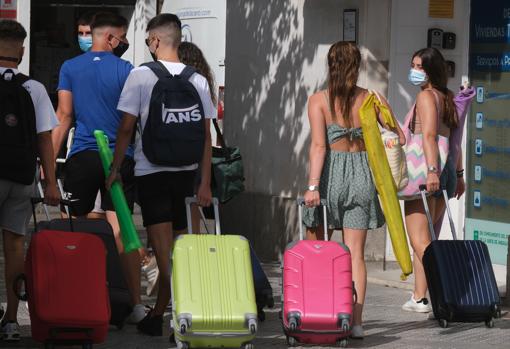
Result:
[[421, 306], [357, 332], [151, 272], [136, 315], [10, 331]]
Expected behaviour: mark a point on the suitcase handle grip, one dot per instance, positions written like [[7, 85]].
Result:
[[300, 202], [22, 278], [65, 202], [193, 200], [423, 189]]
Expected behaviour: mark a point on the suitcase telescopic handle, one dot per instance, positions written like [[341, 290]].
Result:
[[423, 190], [215, 203], [65, 202], [450, 219], [301, 203]]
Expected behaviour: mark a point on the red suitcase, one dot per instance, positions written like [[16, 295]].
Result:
[[317, 290], [66, 288]]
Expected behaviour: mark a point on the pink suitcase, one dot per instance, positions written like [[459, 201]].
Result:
[[317, 290]]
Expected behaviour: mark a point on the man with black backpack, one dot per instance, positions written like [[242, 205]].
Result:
[[26, 121], [171, 104]]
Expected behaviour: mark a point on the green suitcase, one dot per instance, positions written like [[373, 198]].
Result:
[[213, 295]]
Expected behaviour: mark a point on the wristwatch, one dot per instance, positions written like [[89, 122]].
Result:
[[313, 187], [432, 169]]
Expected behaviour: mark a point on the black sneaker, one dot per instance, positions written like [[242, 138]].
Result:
[[151, 325], [10, 331]]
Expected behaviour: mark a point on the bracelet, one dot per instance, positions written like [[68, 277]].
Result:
[[315, 179]]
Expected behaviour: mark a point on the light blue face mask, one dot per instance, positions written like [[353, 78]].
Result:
[[85, 42], [417, 77]]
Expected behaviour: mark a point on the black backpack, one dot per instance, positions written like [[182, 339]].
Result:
[[18, 133], [174, 134]]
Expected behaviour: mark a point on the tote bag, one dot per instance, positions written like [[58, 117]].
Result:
[[395, 154], [416, 163]]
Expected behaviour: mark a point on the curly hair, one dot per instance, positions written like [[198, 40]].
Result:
[[190, 54], [344, 60]]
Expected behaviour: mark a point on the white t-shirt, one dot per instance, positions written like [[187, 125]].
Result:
[[45, 118], [135, 100]]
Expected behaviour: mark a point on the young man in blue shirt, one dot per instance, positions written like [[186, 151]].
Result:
[[90, 84]]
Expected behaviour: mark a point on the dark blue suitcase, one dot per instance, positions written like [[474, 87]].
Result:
[[263, 289], [460, 278]]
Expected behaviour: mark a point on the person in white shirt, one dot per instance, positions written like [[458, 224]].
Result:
[[17, 183], [161, 189]]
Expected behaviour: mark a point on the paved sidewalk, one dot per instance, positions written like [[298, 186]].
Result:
[[386, 325]]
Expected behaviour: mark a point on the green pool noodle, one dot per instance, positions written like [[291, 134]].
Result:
[[128, 232]]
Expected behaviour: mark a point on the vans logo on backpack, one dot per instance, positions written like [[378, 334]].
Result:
[[171, 115]]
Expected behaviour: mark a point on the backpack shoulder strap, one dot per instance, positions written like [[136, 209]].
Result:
[[22, 78], [187, 72], [159, 69]]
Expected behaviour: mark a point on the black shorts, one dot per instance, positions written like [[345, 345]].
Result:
[[161, 196], [84, 176]]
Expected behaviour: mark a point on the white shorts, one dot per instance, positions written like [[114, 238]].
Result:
[[15, 206]]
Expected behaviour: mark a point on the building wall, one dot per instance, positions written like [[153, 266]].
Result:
[[23, 16], [276, 58], [204, 24]]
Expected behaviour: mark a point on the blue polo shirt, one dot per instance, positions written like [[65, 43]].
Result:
[[96, 80]]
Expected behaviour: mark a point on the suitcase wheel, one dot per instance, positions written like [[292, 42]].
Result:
[[293, 323], [346, 327], [497, 311], [183, 329], [342, 343], [181, 345], [291, 341], [443, 323], [489, 323]]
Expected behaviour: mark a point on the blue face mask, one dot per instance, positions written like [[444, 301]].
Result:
[[85, 42], [417, 77]]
